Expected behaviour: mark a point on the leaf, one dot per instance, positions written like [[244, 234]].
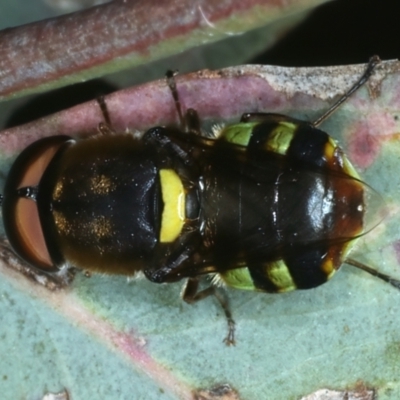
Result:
[[122, 34], [116, 339], [326, 394]]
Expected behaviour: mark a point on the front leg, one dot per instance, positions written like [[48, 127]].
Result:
[[191, 295], [185, 147], [174, 266], [170, 141], [190, 121]]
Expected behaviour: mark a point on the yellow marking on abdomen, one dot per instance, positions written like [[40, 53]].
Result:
[[173, 215], [279, 274], [280, 138], [239, 278]]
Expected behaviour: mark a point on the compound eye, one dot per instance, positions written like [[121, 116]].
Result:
[[20, 211]]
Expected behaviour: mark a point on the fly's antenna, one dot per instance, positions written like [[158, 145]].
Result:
[[386, 278], [1, 199], [373, 62]]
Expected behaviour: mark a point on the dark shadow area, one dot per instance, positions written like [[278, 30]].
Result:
[[59, 99], [340, 32]]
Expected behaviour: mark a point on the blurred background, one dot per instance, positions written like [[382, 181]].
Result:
[[338, 32]]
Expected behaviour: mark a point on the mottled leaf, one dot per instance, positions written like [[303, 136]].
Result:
[[111, 338]]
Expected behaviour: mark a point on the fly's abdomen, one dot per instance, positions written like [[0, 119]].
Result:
[[309, 202]]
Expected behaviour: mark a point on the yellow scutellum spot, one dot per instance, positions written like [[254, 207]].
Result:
[[239, 278], [280, 138], [173, 215], [279, 274]]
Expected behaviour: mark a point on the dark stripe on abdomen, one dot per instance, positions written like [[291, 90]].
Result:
[[305, 264], [308, 145]]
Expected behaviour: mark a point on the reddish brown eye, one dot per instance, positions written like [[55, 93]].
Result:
[[37, 164], [20, 214], [27, 224]]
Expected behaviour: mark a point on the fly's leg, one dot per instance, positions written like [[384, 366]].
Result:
[[191, 294], [104, 128], [190, 121], [170, 141], [174, 269], [184, 146], [172, 266], [104, 109], [185, 141], [272, 117], [172, 87], [386, 278], [373, 62]]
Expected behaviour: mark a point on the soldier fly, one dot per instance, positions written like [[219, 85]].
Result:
[[268, 204]]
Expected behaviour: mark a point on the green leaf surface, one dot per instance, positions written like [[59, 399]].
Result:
[[110, 338]]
